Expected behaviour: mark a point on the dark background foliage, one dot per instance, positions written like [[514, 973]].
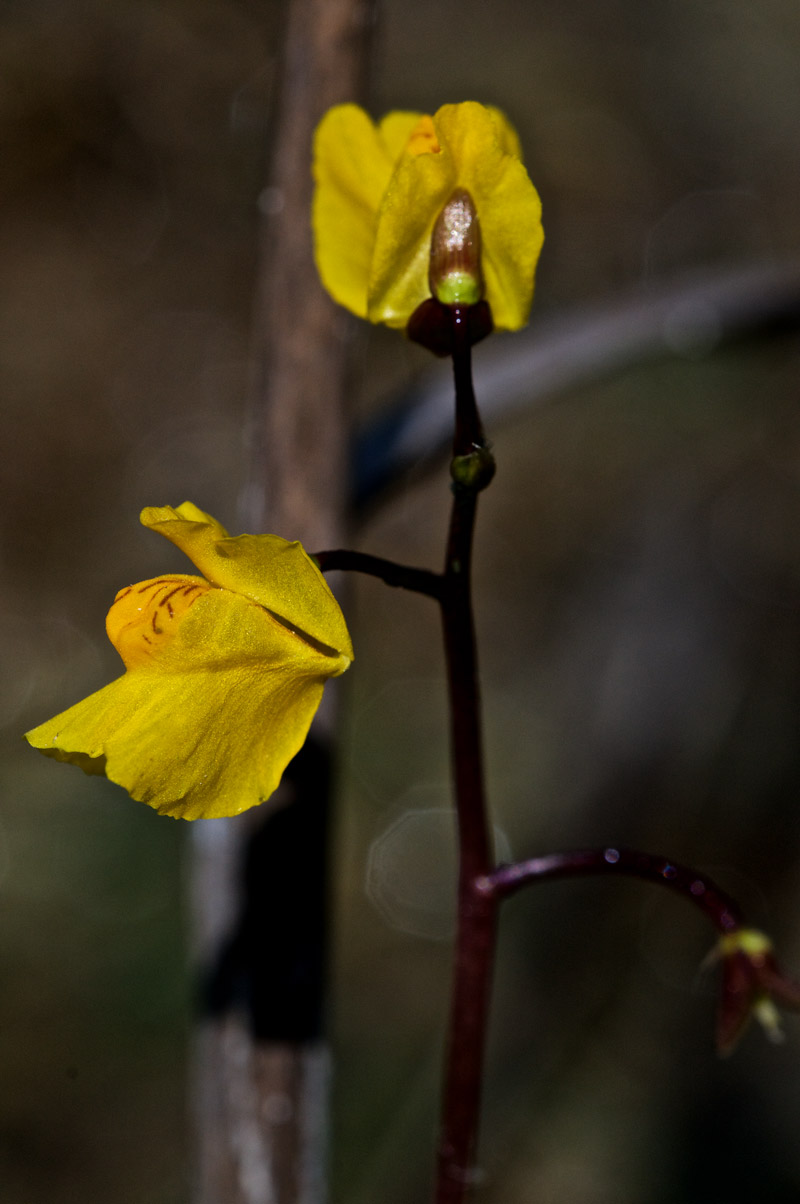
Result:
[[638, 597]]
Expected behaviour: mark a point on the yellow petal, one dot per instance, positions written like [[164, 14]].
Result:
[[507, 204], [352, 168], [206, 726], [462, 146], [395, 130], [419, 189], [506, 134], [277, 574]]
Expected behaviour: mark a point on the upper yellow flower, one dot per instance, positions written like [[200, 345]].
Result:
[[380, 189], [224, 673]]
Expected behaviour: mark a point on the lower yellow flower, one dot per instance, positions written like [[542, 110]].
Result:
[[224, 673], [381, 188]]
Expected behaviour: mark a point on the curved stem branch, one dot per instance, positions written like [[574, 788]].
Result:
[[420, 581], [695, 887]]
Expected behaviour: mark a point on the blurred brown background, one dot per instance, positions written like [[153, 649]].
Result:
[[638, 600]]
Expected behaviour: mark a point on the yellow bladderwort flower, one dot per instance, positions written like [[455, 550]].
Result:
[[380, 191], [224, 673]]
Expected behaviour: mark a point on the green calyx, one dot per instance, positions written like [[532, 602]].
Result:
[[459, 288]]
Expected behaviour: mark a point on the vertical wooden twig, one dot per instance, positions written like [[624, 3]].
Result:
[[259, 1084]]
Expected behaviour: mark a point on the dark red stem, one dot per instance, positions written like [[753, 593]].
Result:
[[475, 937], [420, 581], [468, 429], [697, 888]]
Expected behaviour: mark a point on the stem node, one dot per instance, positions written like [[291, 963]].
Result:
[[474, 470]]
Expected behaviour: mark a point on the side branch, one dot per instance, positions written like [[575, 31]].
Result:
[[752, 981], [697, 888], [402, 576]]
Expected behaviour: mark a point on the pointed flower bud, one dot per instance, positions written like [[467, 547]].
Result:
[[455, 272], [752, 984]]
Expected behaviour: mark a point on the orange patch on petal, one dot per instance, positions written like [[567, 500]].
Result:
[[423, 140], [145, 617]]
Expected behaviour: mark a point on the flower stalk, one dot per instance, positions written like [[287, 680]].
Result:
[[476, 924], [472, 469], [400, 576]]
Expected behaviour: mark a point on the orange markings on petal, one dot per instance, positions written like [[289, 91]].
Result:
[[423, 139], [145, 617]]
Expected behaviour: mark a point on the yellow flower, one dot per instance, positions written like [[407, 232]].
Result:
[[224, 673], [380, 189]]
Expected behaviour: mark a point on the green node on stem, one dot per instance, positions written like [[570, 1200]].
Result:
[[474, 470]]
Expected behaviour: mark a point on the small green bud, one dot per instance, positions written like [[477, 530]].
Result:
[[459, 288], [455, 273], [474, 470]]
